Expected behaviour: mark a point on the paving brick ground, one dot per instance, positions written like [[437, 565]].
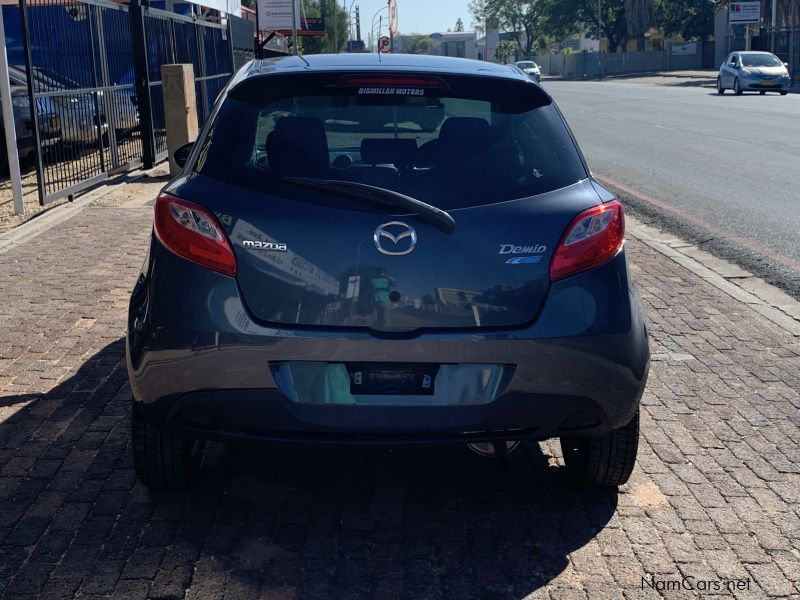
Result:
[[715, 496]]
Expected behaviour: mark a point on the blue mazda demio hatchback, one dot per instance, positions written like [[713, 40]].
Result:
[[367, 249]]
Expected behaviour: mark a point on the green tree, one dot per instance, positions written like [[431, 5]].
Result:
[[562, 18], [691, 19], [459, 24], [417, 44], [518, 17], [640, 16], [505, 49], [329, 11]]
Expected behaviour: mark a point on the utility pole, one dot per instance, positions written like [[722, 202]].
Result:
[[335, 28], [295, 49], [599, 35], [774, 24]]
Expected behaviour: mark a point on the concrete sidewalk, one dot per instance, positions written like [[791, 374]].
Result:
[[715, 497]]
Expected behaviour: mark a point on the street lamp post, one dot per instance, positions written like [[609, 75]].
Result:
[[350, 20], [372, 24]]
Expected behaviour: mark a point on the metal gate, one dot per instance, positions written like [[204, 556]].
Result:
[[708, 56], [93, 70], [785, 44]]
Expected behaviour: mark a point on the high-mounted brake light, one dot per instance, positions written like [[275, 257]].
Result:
[[592, 238], [193, 233], [416, 81]]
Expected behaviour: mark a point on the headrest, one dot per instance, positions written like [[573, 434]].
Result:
[[380, 151], [298, 146], [464, 130]]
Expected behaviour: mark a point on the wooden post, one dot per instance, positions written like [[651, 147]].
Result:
[[180, 109]]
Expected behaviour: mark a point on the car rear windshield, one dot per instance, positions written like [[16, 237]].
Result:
[[452, 142], [760, 60]]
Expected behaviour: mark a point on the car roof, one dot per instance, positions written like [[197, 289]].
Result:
[[376, 62]]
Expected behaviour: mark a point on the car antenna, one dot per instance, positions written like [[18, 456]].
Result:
[[303, 58]]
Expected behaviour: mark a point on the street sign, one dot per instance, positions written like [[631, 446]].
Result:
[[393, 17], [384, 44], [744, 12], [276, 15]]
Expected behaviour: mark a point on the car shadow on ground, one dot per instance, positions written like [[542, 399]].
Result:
[[344, 522]]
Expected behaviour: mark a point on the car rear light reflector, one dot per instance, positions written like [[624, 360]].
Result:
[[193, 233], [592, 238]]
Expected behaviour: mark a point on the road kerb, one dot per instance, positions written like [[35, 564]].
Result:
[[767, 300], [58, 214]]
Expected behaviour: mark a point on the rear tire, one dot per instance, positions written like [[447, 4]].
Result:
[[737, 88], [762, 92], [603, 462], [783, 93], [720, 89], [164, 460]]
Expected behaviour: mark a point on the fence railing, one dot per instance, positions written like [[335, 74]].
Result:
[[784, 43], [93, 72], [593, 64]]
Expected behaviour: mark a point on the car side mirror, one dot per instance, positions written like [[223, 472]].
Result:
[[786, 65], [181, 155]]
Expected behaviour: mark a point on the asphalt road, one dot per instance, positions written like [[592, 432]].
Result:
[[720, 170]]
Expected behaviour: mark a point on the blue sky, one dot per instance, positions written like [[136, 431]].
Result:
[[423, 16]]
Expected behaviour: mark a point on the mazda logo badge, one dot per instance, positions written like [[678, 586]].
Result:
[[390, 238]]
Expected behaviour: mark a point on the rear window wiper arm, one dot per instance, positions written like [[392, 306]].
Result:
[[379, 197]]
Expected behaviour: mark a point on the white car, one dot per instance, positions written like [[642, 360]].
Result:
[[530, 68]]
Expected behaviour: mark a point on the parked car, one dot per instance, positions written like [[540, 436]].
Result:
[[753, 71], [49, 126], [517, 70], [468, 285], [530, 68], [76, 107]]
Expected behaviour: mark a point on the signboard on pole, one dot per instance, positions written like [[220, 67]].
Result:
[[744, 12], [276, 15], [384, 44], [231, 7], [392, 17]]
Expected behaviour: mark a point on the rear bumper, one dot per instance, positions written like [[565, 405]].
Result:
[[572, 375]]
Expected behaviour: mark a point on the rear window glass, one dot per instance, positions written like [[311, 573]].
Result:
[[452, 143]]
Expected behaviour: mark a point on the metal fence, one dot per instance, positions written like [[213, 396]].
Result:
[[591, 64], [171, 39], [784, 43], [93, 70]]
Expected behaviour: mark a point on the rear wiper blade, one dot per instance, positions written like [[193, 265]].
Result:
[[379, 197]]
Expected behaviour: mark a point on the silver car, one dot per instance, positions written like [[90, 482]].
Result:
[[76, 108], [753, 71], [530, 68]]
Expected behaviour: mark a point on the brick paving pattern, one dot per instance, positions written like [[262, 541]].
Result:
[[716, 494]]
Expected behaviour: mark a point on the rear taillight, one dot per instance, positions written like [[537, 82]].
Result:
[[592, 238], [193, 233]]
